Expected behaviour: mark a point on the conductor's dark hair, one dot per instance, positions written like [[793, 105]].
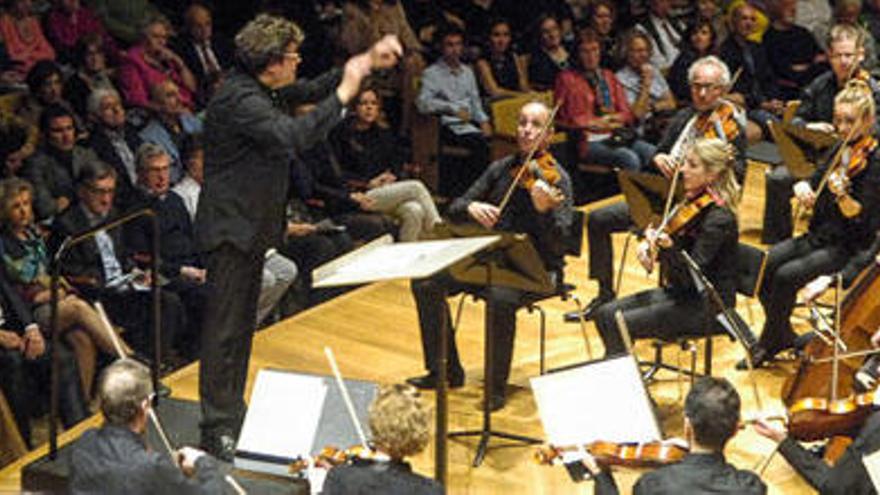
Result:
[[712, 406]]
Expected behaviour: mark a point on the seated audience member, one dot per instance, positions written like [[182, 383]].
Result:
[[101, 268], [593, 106], [45, 87], [602, 18], [123, 19], [711, 419], [151, 62], [18, 140], [179, 260], [815, 17], [25, 367], [206, 55], [115, 457], [279, 272], [68, 22], [697, 43], [23, 37], [502, 71], [52, 170], [665, 32], [26, 262], [550, 57], [816, 111], [170, 123], [449, 89], [370, 163], [850, 12], [92, 72], [644, 85], [794, 55], [399, 424], [115, 141], [755, 89], [711, 11]]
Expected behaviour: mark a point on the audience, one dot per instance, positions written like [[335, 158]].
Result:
[[698, 42], [92, 72], [67, 23], [171, 122], [647, 92], [550, 57], [23, 37], [502, 71], [665, 32], [794, 54], [602, 16], [206, 55], [115, 141], [124, 18]]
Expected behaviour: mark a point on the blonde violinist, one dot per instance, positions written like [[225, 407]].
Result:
[[844, 194], [704, 225]]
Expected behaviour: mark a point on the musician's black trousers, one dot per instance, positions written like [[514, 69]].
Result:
[[228, 327], [600, 225], [655, 313], [777, 206], [790, 265], [430, 295]]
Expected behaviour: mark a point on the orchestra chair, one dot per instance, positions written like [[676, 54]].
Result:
[[531, 300], [12, 446], [750, 265]]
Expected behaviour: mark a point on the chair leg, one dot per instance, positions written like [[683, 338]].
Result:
[[583, 325], [458, 312], [622, 262], [656, 364], [707, 358]]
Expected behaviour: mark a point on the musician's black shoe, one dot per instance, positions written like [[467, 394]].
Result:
[[801, 341], [429, 381], [220, 446], [590, 309], [759, 357]]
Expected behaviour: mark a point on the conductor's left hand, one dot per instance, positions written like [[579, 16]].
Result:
[[386, 52]]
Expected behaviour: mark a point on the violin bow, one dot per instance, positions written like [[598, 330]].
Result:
[[541, 136], [151, 414], [343, 389]]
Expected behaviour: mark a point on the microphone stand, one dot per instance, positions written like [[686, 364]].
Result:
[[55, 269]]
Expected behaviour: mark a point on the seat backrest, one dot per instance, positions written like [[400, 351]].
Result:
[[750, 264]]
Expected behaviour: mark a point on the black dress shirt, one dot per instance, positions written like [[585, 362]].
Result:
[[115, 460], [367, 477], [695, 474], [848, 475], [817, 99]]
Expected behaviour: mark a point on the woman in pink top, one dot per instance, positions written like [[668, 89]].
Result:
[[23, 37], [151, 62], [67, 22]]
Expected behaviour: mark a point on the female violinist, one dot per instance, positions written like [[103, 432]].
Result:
[[399, 423], [707, 229], [837, 230], [712, 413]]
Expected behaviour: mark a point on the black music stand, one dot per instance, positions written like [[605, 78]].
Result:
[[511, 262], [646, 193]]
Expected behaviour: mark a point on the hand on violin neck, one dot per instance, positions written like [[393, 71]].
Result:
[[545, 197], [645, 255], [838, 182], [665, 164], [483, 213], [658, 237], [825, 127], [804, 193]]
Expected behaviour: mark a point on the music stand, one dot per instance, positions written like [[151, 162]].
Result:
[[384, 260], [513, 263], [645, 193], [793, 139]]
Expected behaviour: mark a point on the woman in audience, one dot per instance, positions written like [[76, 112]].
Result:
[[699, 41], [67, 23], [551, 56], [26, 262], [90, 61], [45, 83], [151, 62], [602, 15], [502, 71], [21, 33], [370, 161]]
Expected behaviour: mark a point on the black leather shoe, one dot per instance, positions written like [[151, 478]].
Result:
[[222, 447], [590, 310], [429, 381], [759, 357]]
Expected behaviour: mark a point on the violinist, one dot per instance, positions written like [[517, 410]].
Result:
[[712, 413], [846, 52], [115, 458], [848, 475], [707, 230], [836, 232], [537, 208], [708, 116], [399, 423]]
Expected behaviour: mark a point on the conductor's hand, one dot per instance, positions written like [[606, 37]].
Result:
[[186, 458], [665, 164], [484, 213], [544, 197], [386, 52], [773, 433], [816, 287], [804, 193]]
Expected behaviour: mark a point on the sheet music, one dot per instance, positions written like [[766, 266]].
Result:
[[872, 466], [604, 400], [288, 407]]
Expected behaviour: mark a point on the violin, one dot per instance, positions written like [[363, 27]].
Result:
[[331, 456], [629, 454], [860, 153], [542, 167], [720, 123], [820, 396], [680, 218]]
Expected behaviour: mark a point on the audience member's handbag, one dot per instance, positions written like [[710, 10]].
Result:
[[623, 136]]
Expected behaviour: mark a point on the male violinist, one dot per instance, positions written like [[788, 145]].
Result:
[[709, 78], [835, 235], [543, 212], [711, 410]]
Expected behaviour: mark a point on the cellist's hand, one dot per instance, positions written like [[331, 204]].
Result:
[[816, 287], [765, 430], [485, 214], [544, 197], [804, 193]]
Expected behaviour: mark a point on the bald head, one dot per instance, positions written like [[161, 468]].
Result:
[[199, 22], [533, 116]]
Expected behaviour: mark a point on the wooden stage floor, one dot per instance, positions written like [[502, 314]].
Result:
[[374, 334]]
